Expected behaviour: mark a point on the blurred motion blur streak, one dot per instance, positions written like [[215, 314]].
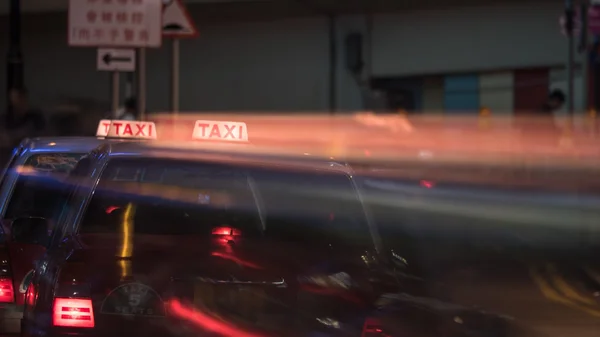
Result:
[[205, 321], [554, 288], [127, 245]]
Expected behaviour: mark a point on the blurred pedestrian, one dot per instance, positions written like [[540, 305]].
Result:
[[22, 120], [556, 100], [128, 111]]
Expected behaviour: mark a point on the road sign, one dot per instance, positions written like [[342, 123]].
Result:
[[115, 23], [177, 22], [110, 59]]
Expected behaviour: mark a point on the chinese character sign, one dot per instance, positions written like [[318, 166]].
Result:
[[115, 23]]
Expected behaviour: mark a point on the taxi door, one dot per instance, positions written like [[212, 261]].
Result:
[[25, 243]]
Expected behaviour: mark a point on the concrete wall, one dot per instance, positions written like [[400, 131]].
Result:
[[283, 64], [469, 39]]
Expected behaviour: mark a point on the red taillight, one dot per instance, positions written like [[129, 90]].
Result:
[[7, 294], [372, 328], [427, 184], [226, 231], [73, 312]]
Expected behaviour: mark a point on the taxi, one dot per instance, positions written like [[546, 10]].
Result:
[[160, 239], [30, 188]]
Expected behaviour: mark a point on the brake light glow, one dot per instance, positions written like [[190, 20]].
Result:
[[7, 294], [372, 328], [226, 231], [427, 184], [73, 312]]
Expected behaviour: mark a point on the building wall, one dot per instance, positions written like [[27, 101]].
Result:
[[284, 65], [267, 65], [468, 39]]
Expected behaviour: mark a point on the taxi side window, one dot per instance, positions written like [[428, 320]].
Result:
[[36, 196], [2, 236], [312, 208], [72, 199]]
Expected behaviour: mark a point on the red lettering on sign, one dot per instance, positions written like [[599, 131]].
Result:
[[127, 130], [92, 16], [106, 127], [215, 132], [241, 129], [117, 126], [84, 34], [140, 130], [229, 131], [107, 17], [98, 33], [129, 34], [137, 18], [121, 17], [114, 34], [203, 126], [144, 35]]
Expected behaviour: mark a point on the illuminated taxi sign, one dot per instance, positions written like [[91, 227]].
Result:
[[103, 128], [126, 129], [220, 130]]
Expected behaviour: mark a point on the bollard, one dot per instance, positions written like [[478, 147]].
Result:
[[566, 140], [484, 118], [591, 121]]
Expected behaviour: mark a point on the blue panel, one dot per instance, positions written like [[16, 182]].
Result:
[[461, 93]]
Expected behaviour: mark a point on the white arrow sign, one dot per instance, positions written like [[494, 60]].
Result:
[[110, 59]]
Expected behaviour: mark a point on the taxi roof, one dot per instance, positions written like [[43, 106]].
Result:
[[61, 144], [237, 155]]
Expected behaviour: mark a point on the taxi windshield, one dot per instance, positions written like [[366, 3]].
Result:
[[170, 197]]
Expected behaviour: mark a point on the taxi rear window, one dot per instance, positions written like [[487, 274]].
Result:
[[53, 162], [169, 197], [166, 197]]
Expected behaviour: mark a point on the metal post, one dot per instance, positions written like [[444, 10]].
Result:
[[596, 74], [332, 65], [569, 16], [141, 87], [115, 90], [129, 79], [175, 77], [583, 50], [14, 62]]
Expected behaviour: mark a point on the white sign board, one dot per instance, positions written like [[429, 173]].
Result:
[[177, 22], [115, 23], [110, 59], [220, 130], [126, 129]]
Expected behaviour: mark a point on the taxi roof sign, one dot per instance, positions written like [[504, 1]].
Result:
[[126, 129], [103, 128], [220, 130]]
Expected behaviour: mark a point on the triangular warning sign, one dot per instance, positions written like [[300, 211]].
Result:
[[177, 21]]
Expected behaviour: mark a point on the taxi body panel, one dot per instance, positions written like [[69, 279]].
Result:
[[21, 256], [312, 288], [90, 250]]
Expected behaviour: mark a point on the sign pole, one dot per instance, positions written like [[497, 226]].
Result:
[[129, 92], [115, 90], [569, 16], [141, 84], [175, 77]]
